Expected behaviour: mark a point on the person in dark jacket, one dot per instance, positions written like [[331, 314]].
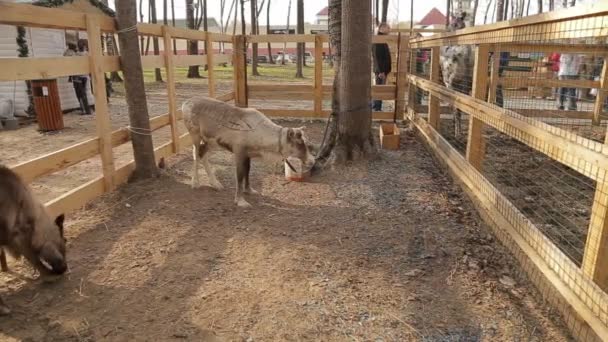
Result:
[[382, 62]]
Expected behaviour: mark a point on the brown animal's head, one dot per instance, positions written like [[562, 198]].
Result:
[[458, 21], [47, 246], [298, 146]]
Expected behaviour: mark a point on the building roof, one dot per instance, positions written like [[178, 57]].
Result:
[[434, 17], [324, 11]]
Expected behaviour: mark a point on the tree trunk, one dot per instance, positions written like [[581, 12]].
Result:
[[448, 6], [157, 75], [243, 23], [385, 10], [285, 44], [254, 46], [540, 6], [268, 32], [572, 3], [206, 29], [173, 24], [551, 5], [475, 6], [565, 3], [485, 17], [355, 118], [300, 27], [500, 10], [143, 149], [377, 11], [193, 70], [141, 20]]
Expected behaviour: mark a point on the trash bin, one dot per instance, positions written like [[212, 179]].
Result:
[[47, 105]]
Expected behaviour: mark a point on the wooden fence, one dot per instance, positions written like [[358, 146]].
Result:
[[579, 292], [13, 69]]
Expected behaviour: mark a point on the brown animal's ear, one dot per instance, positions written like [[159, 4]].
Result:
[[59, 222]]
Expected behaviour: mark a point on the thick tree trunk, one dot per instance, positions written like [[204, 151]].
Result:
[[193, 70], [355, 116], [254, 46], [157, 74], [143, 149], [540, 6], [268, 32], [283, 60], [384, 10], [377, 12], [448, 6], [475, 6], [551, 5], [300, 30], [141, 20], [173, 24]]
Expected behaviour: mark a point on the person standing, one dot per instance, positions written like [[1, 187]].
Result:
[[382, 62], [78, 82], [569, 65]]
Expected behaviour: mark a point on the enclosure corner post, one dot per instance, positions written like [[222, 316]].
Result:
[[475, 141], [170, 75], [239, 61], [210, 63], [402, 63], [102, 116], [434, 113], [601, 95], [318, 76]]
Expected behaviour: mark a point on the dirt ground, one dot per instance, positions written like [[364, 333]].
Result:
[[385, 250]]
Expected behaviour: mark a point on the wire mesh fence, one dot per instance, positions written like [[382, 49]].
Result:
[[539, 88]]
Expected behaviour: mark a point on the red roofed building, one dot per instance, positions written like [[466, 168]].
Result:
[[323, 16], [434, 17]]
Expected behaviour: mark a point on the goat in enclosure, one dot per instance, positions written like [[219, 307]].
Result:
[[27, 230], [457, 64], [246, 133]]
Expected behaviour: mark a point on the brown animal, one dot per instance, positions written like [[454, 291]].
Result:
[[27, 230], [246, 133]]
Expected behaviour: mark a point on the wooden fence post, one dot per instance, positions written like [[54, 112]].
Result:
[[402, 61], [239, 60], [475, 142], [318, 76], [210, 64], [595, 258], [601, 95], [170, 71], [434, 113], [102, 117], [494, 77]]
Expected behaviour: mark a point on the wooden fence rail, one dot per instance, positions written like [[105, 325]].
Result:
[[579, 291]]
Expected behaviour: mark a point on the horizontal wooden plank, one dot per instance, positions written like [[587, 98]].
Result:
[[280, 87], [58, 160], [518, 232], [182, 33], [226, 97], [149, 29], [13, 69], [121, 136], [152, 61], [110, 63], [38, 16], [549, 48], [281, 38], [76, 198], [220, 37], [221, 59], [390, 39], [188, 60], [515, 82], [547, 26], [309, 113], [583, 155]]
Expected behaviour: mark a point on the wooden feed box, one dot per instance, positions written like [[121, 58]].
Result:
[[389, 136]]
